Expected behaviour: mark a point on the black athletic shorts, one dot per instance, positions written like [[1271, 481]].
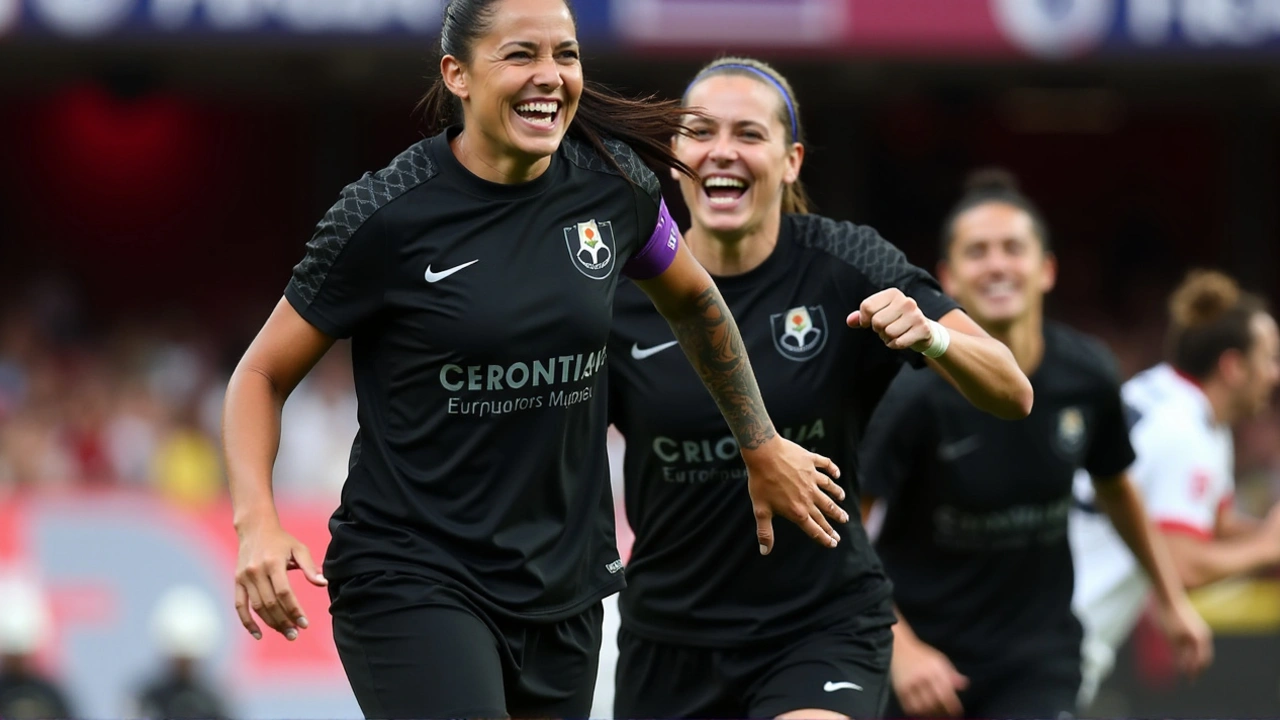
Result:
[[844, 669], [414, 648], [1045, 688]]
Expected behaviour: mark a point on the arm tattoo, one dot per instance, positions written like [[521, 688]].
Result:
[[710, 338]]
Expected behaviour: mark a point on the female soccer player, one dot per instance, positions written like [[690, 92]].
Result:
[[975, 533], [709, 627], [475, 276], [1223, 367]]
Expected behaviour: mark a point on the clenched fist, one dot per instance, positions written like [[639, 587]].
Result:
[[900, 323]]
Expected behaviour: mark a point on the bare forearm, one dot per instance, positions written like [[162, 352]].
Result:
[[1234, 524], [902, 632], [1201, 562], [710, 338], [1124, 507], [251, 440], [983, 369]]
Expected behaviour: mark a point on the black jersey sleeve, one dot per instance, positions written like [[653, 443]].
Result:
[[340, 281], [898, 436], [873, 263], [1110, 452]]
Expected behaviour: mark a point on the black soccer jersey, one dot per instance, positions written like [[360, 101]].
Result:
[[479, 315], [696, 575], [975, 535]]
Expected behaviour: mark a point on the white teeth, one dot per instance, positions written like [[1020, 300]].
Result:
[[722, 201], [721, 181], [1000, 287], [548, 108]]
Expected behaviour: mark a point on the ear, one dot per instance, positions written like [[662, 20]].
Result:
[[944, 278], [1231, 366], [455, 76], [1049, 272], [795, 159]]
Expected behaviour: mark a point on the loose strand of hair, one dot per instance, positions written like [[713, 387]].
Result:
[[646, 125], [436, 108]]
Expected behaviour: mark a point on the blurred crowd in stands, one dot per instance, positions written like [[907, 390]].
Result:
[[138, 405]]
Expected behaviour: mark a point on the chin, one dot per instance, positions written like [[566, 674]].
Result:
[[538, 148], [994, 317], [739, 221], [721, 224]]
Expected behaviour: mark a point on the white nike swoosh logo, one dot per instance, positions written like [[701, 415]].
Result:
[[832, 687], [639, 354], [958, 449], [435, 277]]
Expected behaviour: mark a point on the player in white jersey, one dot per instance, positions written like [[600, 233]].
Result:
[[1224, 363]]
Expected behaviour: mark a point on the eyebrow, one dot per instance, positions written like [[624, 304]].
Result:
[[697, 120], [533, 46]]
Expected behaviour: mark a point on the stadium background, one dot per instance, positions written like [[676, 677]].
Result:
[[165, 160]]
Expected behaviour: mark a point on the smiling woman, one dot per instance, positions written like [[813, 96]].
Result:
[[808, 631], [488, 57], [476, 276]]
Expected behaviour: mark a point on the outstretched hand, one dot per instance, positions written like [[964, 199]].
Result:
[[785, 479]]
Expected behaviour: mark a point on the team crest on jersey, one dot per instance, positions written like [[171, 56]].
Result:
[[591, 247], [1071, 432], [800, 333]]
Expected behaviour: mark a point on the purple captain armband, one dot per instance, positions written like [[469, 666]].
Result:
[[656, 255]]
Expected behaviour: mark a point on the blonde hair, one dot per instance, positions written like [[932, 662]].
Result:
[[794, 198]]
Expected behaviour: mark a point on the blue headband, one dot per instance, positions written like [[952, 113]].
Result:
[[786, 96]]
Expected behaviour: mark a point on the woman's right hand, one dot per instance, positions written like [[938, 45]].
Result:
[[925, 681], [267, 553]]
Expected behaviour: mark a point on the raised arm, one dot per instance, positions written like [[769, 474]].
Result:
[[982, 368], [783, 478]]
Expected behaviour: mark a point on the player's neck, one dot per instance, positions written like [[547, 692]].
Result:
[[1219, 397], [480, 159], [726, 254], [1025, 339]]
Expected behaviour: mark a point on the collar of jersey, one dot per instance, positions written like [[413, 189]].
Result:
[[777, 259], [460, 177], [1194, 392]]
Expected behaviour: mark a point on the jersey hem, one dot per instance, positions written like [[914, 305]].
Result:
[[684, 637], [553, 614]]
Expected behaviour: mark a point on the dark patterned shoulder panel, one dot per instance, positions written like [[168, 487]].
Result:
[[358, 202], [858, 245], [580, 153]]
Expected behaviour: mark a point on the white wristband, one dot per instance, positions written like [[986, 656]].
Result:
[[939, 340]]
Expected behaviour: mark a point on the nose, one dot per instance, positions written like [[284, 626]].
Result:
[[546, 75], [723, 150], [998, 261]]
